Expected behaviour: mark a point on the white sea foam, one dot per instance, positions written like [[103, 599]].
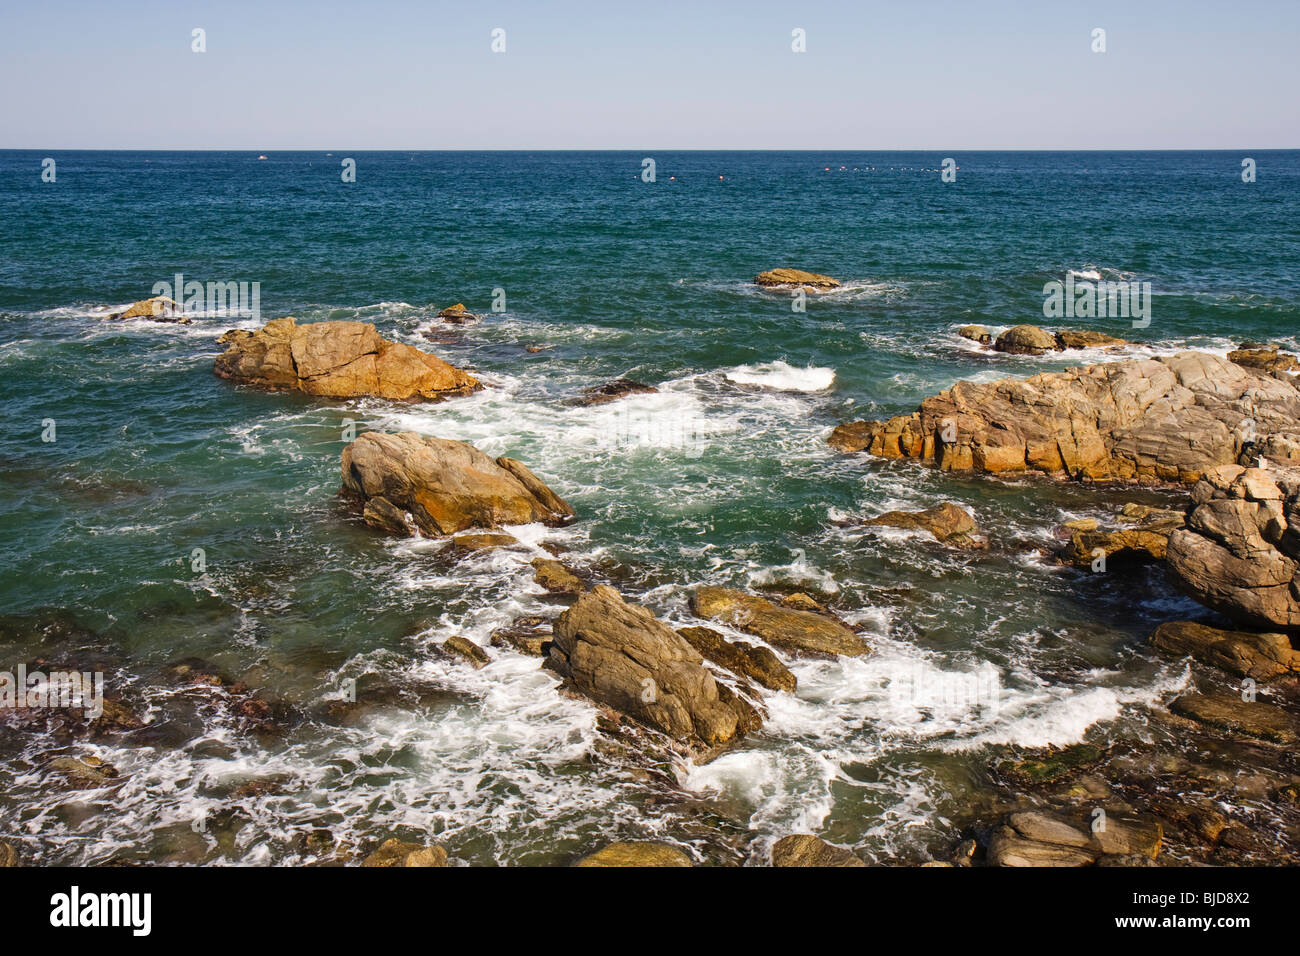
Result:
[[782, 376]]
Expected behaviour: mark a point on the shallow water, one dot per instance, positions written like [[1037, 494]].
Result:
[[723, 476]]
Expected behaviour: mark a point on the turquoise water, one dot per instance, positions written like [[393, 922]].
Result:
[[724, 477]]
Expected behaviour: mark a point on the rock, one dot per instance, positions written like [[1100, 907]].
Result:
[[1081, 524], [446, 486], [637, 854], [8, 855], [1126, 543], [1008, 848], [1225, 711], [804, 602], [1240, 550], [1266, 358], [534, 349], [1050, 765], [777, 278], [160, 308], [1040, 838], [1170, 419], [395, 853], [619, 654], [797, 631], [612, 391], [556, 578], [1084, 339], [1025, 340], [383, 515], [483, 541], [456, 314], [337, 360], [747, 660], [947, 522], [466, 650], [84, 773], [976, 333], [1203, 821], [1260, 656], [529, 635], [804, 849]]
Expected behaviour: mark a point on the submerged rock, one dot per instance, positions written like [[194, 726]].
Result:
[[1240, 550], [787, 628], [946, 522], [1261, 656], [621, 655], [396, 853], [637, 854], [466, 650], [745, 660], [1049, 765], [1170, 419], [337, 360], [976, 333], [457, 314], [556, 578], [446, 486], [1225, 711], [1025, 340], [159, 308], [612, 391], [777, 278], [804, 849]]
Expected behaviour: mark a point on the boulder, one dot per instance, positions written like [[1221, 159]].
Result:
[[8, 855], [746, 660], [946, 522], [1240, 550], [556, 578], [1025, 340], [1228, 712], [637, 854], [482, 541], [976, 333], [1143, 544], [1259, 656], [462, 648], [1042, 838], [777, 278], [1266, 358], [801, 632], [457, 314], [1151, 421], [621, 655], [528, 635], [804, 849], [446, 486], [396, 853], [159, 308], [612, 391], [337, 360], [1085, 339]]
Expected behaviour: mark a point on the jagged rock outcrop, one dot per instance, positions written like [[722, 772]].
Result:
[[457, 314], [621, 655], [1040, 838], [1247, 654], [612, 391], [1025, 340], [1240, 550], [1147, 541], [159, 308], [795, 278], [441, 486], [1266, 358], [946, 522], [802, 632], [337, 360], [756, 662], [1169, 419]]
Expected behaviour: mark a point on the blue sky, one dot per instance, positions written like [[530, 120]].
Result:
[[940, 74]]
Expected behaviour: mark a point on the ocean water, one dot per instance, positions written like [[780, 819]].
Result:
[[723, 476]]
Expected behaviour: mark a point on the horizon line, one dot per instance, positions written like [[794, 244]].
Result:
[[673, 149]]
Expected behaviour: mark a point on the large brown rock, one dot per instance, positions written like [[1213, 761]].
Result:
[[621, 655], [746, 660], [1146, 542], [1025, 340], [159, 308], [1266, 358], [636, 854], [1169, 419], [1260, 656], [1249, 718], [1041, 838], [1240, 550], [444, 486], [337, 360], [946, 522], [793, 630], [1086, 339], [804, 849], [777, 278]]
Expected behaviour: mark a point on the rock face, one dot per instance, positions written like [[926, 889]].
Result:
[[444, 486], [1170, 419], [1036, 838], [1226, 711], [1146, 542], [636, 854], [337, 360], [1266, 358], [1085, 339], [804, 849], [947, 522], [976, 333], [1240, 550], [793, 630], [612, 391], [777, 278], [621, 655], [159, 308], [1261, 656], [746, 660], [1025, 340]]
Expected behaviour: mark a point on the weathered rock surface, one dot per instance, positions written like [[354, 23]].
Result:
[[556, 578], [159, 308], [793, 630], [457, 314], [621, 655], [337, 360], [528, 635], [1226, 711], [776, 278], [1240, 550], [1170, 419], [464, 649], [804, 849], [1266, 358], [976, 333], [746, 660], [445, 486], [637, 854], [1085, 339], [483, 541], [946, 522], [1025, 340], [1040, 838], [1147, 541], [396, 853], [8, 856], [1049, 765], [612, 391], [1260, 656]]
